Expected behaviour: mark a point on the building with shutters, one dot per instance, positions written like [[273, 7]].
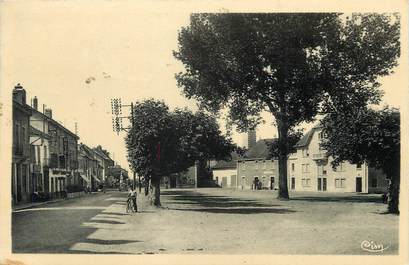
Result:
[[310, 169]]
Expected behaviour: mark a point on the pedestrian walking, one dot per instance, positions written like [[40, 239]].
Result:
[[132, 195]]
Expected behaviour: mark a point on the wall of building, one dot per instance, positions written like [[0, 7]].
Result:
[[311, 170], [265, 170], [22, 186], [225, 178], [377, 181]]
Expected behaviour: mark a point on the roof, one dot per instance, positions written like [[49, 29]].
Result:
[[227, 164], [101, 154], [34, 131], [56, 123], [89, 152], [260, 149], [306, 139], [22, 107]]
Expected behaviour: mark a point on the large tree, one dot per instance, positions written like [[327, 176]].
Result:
[[163, 142], [366, 135], [291, 65]]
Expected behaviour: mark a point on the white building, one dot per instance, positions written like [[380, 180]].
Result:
[[310, 169]]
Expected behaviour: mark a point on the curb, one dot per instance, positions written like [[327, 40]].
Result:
[[46, 202]]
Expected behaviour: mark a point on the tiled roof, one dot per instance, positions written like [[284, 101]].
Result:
[[225, 164], [260, 149], [306, 139]]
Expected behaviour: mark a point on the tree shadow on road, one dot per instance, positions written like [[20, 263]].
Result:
[[106, 222], [108, 241], [352, 198], [243, 210], [219, 204]]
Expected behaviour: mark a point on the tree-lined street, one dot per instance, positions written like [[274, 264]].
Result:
[[208, 221]]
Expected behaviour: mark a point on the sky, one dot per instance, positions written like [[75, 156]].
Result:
[[125, 53]]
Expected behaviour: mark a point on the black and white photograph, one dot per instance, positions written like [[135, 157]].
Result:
[[139, 130]]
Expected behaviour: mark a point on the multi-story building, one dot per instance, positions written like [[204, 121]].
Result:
[[39, 144], [63, 161], [310, 169], [104, 162], [256, 170], [22, 184], [87, 167]]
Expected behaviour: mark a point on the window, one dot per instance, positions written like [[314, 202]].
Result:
[[292, 167], [374, 183], [306, 182], [305, 168], [340, 183], [358, 166]]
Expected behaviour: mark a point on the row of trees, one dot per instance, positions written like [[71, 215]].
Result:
[[296, 66], [163, 142]]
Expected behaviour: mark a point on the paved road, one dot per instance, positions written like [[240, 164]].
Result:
[[55, 227], [208, 221]]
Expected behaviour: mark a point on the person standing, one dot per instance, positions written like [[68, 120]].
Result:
[[132, 195]]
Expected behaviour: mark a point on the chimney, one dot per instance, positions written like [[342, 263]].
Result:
[[251, 138], [19, 94], [48, 113], [35, 103]]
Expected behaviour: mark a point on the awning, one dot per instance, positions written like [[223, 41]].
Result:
[[97, 179], [84, 177]]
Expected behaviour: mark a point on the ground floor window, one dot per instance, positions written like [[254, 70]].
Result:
[[306, 182], [292, 183], [340, 182]]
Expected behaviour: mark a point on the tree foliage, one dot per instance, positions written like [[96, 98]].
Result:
[[163, 142], [292, 65], [367, 136]]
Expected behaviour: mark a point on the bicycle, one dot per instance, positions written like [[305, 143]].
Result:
[[130, 206]]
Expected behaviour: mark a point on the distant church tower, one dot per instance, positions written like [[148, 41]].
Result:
[[250, 139]]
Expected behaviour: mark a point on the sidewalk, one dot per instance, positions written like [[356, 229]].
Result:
[[28, 205]]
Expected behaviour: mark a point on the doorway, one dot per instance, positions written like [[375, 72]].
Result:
[[358, 184], [293, 183]]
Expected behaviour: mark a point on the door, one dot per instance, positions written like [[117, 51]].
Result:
[[324, 184], [272, 183], [319, 183], [224, 182], [358, 184], [293, 183]]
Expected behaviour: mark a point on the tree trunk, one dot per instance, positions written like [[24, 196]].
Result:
[[394, 188], [282, 159], [146, 183], [156, 191]]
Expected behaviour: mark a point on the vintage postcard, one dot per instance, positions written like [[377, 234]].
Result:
[[211, 132]]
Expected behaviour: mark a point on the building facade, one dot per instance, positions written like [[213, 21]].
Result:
[[310, 169], [63, 145], [87, 167], [22, 184], [256, 170]]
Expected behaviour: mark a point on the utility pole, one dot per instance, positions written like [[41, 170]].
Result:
[[116, 107]]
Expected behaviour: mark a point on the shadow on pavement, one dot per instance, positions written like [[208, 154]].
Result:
[[96, 252], [246, 210], [353, 198], [107, 222], [108, 242], [218, 204]]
